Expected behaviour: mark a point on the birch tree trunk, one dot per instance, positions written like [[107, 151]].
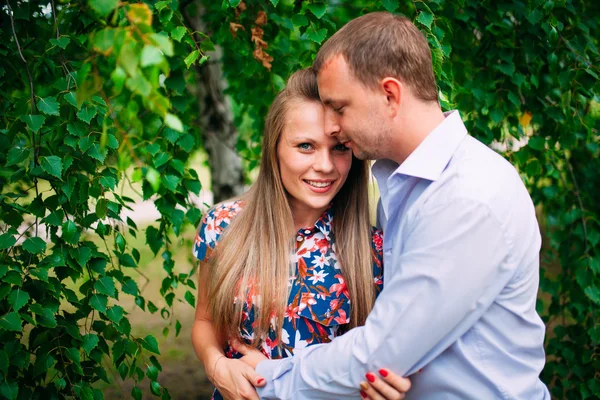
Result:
[[216, 122]]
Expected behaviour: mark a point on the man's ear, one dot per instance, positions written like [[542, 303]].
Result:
[[392, 88]]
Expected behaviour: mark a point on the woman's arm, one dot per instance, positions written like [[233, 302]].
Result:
[[207, 345], [233, 378]]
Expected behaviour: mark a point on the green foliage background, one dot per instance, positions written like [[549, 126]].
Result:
[[94, 96]]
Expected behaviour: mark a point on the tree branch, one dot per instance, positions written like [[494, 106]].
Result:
[[12, 23]]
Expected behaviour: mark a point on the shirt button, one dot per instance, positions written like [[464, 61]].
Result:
[[307, 232], [299, 238]]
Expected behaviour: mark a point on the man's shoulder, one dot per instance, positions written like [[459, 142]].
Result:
[[479, 175]]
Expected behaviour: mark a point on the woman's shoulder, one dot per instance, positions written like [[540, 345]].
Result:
[[213, 224], [222, 213]]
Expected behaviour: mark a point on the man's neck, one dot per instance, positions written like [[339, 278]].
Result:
[[419, 120]]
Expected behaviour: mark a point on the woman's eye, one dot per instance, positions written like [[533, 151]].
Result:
[[304, 146], [339, 109]]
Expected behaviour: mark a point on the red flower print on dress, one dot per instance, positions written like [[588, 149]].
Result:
[[340, 287]]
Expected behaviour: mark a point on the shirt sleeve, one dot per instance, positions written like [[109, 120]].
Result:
[[453, 263]]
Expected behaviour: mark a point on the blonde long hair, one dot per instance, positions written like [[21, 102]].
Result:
[[256, 248]]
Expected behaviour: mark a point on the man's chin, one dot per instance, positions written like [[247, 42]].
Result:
[[361, 155]]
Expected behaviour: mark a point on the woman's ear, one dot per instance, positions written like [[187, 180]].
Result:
[[392, 88]]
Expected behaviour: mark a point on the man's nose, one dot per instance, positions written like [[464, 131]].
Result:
[[332, 125]]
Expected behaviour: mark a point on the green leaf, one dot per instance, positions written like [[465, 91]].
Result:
[[3, 362], [9, 390], [161, 159], [46, 318], [152, 372], [105, 286], [34, 245], [78, 129], [171, 182], [101, 208], [90, 341], [595, 265], [234, 3], [104, 7], [162, 41], [61, 42], [593, 293], [18, 298], [391, 5], [130, 287], [274, 2], [155, 387], [299, 20], [514, 99], [48, 105], [186, 142], [136, 393], [71, 99], [537, 143], [506, 68], [191, 58], [70, 233], [154, 239], [315, 35], [425, 18], [115, 314], [16, 155], [139, 84], [97, 153], [189, 297], [87, 113], [99, 302], [11, 322], [7, 240], [52, 165], [173, 122], [34, 122], [178, 32], [108, 182], [177, 328], [318, 9], [150, 343], [151, 56]]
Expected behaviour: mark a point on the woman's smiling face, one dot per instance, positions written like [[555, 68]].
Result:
[[313, 164]]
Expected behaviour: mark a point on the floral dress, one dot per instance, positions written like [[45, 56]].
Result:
[[318, 307]]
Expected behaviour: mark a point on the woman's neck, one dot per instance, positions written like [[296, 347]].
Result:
[[305, 217]]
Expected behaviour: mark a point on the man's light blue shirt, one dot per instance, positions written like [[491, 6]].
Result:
[[461, 273]]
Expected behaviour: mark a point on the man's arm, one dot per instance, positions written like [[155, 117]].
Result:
[[449, 269]]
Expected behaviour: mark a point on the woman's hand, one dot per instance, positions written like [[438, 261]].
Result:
[[386, 386], [235, 379]]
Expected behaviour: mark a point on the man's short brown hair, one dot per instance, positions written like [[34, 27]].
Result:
[[380, 44]]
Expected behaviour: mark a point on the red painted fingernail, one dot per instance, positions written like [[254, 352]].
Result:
[[261, 380], [370, 377], [363, 394], [383, 373]]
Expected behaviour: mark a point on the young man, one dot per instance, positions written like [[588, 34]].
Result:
[[461, 239]]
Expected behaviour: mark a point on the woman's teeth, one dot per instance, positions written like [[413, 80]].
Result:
[[319, 184]]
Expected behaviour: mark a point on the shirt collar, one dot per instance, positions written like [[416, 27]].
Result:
[[430, 158], [323, 224]]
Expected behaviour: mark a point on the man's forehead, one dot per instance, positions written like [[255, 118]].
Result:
[[335, 61]]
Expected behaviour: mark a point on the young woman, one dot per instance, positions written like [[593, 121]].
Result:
[[279, 265]]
